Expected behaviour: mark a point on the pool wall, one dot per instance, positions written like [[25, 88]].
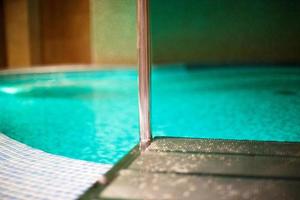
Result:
[[200, 31], [191, 31]]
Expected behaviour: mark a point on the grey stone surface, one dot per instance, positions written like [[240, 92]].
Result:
[[141, 185], [226, 146], [176, 168], [221, 164]]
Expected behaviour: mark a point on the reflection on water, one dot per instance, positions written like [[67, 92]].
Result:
[[86, 117]]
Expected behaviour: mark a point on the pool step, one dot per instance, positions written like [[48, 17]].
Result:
[[216, 164], [248, 147], [176, 168], [139, 185]]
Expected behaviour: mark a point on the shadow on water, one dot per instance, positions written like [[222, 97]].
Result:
[[286, 92]]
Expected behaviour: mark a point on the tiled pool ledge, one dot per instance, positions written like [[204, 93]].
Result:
[[27, 173], [177, 168]]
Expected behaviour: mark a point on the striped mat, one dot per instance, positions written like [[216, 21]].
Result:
[[27, 173]]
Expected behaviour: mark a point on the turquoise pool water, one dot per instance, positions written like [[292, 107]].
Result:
[[93, 115]]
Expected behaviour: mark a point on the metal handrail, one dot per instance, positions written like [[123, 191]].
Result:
[[144, 68]]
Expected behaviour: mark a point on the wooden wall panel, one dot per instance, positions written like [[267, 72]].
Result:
[[65, 31], [20, 33], [2, 38], [35, 32], [17, 33]]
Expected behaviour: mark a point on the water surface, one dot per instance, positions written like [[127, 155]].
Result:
[[93, 115]]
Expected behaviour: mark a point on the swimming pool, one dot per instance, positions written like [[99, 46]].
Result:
[[93, 115]]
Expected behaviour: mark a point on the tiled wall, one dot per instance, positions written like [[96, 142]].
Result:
[[226, 31], [113, 31], [200, 31]]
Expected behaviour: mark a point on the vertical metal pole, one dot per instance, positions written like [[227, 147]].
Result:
[[144, 64]]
